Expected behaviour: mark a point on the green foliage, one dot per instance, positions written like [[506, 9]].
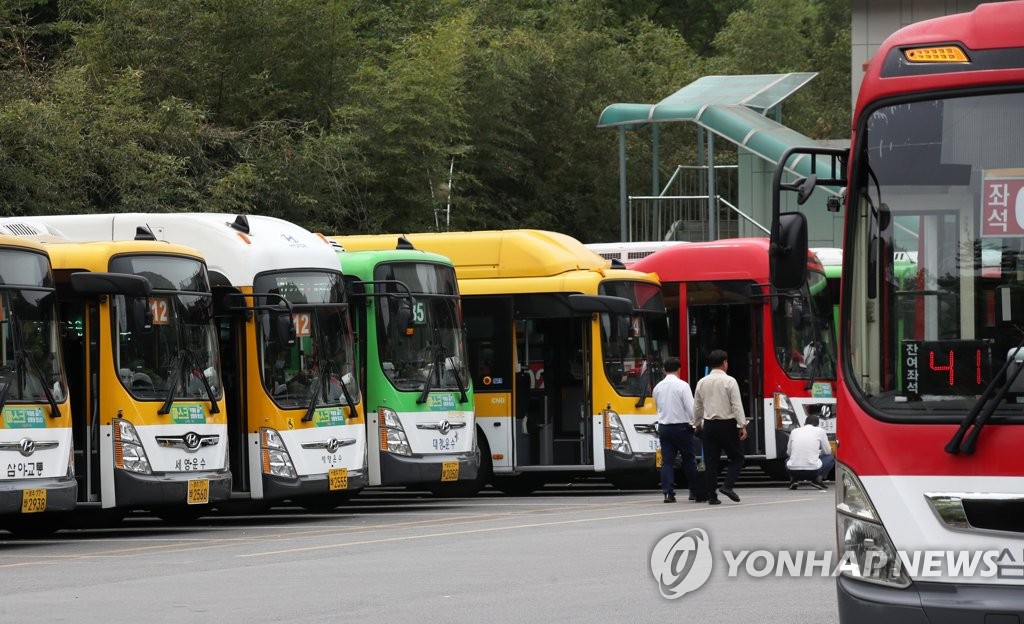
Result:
[[355, 116]]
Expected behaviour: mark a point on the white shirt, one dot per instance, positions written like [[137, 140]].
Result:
[[806, 445], [718, 398], [673, 400]]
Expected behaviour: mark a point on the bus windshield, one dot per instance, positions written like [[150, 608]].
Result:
[[804, 329], [30, 362], [421, 339], [940, 255], [317, 367], [633, 346], [165, 345]]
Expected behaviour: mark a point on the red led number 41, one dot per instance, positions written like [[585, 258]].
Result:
[[950, 364]]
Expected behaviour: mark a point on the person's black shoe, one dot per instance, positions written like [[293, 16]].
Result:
[[818, 485], [793, 485], [732, 495], [670, 498], [691, 496], [714, 501]]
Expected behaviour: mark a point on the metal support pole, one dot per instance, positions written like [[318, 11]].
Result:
[[655, 232], [622, 184], [712, 194]]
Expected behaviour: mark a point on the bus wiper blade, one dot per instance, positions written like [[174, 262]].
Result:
[[976, 417], [455, 373], [640, 402], [175, 377], [4, 390], [317, 385], [192, 368], [429, 380], [27, 358]]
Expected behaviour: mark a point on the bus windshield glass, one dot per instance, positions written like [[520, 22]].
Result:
[[937, 282], [632, 346], [804, 330], [30, 362], [419, 318], [165, 343], [313, 355]]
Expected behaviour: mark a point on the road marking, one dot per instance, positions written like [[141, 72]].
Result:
[[503, 528]]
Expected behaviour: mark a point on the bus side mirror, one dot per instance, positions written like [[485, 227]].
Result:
[[142, 315], [284, 328], [788, 252], [403, 317]]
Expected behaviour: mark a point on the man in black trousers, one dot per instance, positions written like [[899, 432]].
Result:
[[718, 412], [674, 402]]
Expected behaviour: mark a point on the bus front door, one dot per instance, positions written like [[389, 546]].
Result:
[[553, 430]]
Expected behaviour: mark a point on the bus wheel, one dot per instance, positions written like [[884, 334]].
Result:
[[181, 514], [325, 503], [465, 488], [27, 527], [519, 485], [776, 470]]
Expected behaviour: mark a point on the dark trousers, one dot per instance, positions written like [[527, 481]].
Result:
[[722, 436], [676, 439]]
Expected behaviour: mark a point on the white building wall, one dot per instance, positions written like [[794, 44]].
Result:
[[874, 20]]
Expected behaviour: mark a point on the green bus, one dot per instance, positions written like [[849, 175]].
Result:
[[411, 352]]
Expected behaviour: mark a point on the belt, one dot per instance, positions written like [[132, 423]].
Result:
[[675, 425]]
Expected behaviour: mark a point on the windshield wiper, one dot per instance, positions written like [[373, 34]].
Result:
[[982, 411], [183, 367], [27, 358], [430, 376], [4, 390], [455, 373], [321, 387]]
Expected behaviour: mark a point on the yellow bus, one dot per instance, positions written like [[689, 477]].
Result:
[[37, 472], [562, 349], [296, 425], [140, 349]]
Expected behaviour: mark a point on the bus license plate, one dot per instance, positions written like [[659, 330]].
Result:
[[657, 458], [198, 491], [450, 471], [33, 500], [338, 478]]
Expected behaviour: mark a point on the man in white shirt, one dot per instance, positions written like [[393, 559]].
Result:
[[718, 414], [810, 455], [674, 402]]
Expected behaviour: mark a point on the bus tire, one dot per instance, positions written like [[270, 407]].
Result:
[[326, 503], [776, 469], [518, 485], [464, 488]]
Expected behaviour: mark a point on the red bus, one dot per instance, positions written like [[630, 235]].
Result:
[[930, 499], [781, 343]]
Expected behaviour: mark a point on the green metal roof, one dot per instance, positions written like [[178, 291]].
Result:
[[732, 107]]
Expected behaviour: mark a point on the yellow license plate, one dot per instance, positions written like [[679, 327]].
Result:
[[450, 471], [337, 478], [198, 491], [33, 500], [657, 458]]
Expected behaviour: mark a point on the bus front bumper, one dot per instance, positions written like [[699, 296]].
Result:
[[281, 488], [633, 462], [135, 490], [61, 494], [403, 470], [929, 603]]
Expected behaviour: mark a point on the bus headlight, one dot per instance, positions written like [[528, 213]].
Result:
[[128, 451], [276, 460], [862, 538], [392, 435], [615, 434], [785, 415]]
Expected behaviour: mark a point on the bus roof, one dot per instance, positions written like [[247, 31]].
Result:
[[95, 256], [362, 263], [725, 259], [495, 253], [237, 247], [8, 240], [629, 253]]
